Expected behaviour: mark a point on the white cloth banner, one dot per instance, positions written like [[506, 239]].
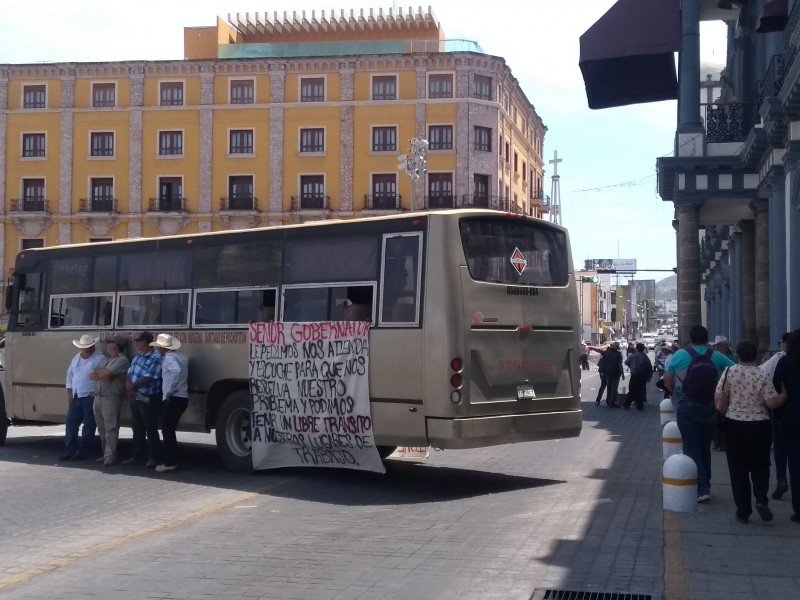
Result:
[[309, 387]]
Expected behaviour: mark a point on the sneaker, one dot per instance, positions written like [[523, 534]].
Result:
[[150, 464], [741, 519], [109, 462], [130, 461], [780, 490], [704, 498], [99, 460], [165, 468], [764, 512]]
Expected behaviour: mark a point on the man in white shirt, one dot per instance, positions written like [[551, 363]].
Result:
[[175, 393], [80, 396], [778, 441]]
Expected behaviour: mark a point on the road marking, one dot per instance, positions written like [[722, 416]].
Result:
[[12, 580], [676, 575]]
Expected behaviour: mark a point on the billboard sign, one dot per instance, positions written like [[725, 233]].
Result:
[[619, 265]]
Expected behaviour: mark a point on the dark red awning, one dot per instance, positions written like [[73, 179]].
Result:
[[774, 16], [627, 56]]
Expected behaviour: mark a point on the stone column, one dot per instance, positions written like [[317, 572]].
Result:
[[761, 209], [346, 138], [65, 157], [748, 280], [735, 250], [777, 259], [277, 80], [689, 267], [420, 184], [793, 261], [205, 199], [6, 269], [136, 128], [724, 323]]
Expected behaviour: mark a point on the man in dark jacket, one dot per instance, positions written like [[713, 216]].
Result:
[[610, 368], [641, 372]]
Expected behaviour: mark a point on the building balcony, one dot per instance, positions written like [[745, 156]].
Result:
[[382, 202], [728, 122], [30, 215], [485, 201], [168, 214], [99, 214], [319, 202], [239, 211], [440, 201]]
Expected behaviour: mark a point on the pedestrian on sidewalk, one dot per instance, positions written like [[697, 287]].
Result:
[[80, 396], [742, 395], [610, 368], [787, 382], [694, 414], [778, 441], [584, 356], [109, 378], [175, 396], [143, 385], [641, 372]]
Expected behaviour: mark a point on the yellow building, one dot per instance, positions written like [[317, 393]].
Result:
[[268, 120]]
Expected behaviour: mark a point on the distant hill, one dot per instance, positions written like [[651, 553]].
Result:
[[667, 289]]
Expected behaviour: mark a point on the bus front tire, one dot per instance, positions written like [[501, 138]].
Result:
[[234, 432]]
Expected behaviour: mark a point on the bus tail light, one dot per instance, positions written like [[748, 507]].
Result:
[[456, 379], [457, 365]]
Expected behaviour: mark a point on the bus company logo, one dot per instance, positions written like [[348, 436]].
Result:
[[479, 318], [518, 261]]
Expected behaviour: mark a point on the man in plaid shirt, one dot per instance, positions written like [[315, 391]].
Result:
[[144, 390]]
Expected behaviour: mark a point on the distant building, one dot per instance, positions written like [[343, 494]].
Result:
[[268, 120]]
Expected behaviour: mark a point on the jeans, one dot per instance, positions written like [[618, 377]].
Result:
[[638, 390], [695, 426], [748, 444], [613, 388], [146, 440], [80, 411], [585, 362], [791, 428], [172, 409], [778, 447], [603, 383]]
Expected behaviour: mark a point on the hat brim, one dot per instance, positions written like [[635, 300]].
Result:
[[174, 346], [78, 344]]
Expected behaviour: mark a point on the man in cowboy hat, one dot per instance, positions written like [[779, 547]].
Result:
[[80, 396], [722, 346], [144, 390], [110, 394], [175, 396]]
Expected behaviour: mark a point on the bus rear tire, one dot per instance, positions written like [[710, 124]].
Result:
[[385, 451], [234, 432]]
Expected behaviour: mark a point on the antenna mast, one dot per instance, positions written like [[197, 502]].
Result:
[[555, 191]]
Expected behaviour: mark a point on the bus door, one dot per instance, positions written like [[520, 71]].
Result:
[[520, 317]]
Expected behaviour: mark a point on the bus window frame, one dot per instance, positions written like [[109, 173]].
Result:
[[335, 284], [420, 259], [111, 295], [195, 325], [118, 305]]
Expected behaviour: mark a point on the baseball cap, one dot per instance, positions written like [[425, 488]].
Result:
[[144, 336]]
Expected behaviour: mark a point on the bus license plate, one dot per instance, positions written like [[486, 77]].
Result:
[[525, 392]]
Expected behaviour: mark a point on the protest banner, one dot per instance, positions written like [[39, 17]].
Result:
[[309, 387]]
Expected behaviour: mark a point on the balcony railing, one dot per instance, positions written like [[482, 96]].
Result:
[[382, 202], [238, 202], [485, 201], [168, 204], [440, 201], [29, 205], [100, 204], [728, 122], [773, 80], [311, 202]]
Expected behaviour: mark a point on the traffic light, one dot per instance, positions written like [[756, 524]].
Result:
[[591, 279]]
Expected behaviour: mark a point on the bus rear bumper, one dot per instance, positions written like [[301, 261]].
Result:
[[477, 432]]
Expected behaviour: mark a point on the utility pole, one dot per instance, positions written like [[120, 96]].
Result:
[[414, 163], [555, 191]]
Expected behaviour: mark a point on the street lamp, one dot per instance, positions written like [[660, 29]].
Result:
[[414, 162]]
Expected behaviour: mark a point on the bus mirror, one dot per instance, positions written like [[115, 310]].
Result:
[[9, 294]]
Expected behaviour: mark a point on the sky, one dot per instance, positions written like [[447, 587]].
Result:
[[608, 178]]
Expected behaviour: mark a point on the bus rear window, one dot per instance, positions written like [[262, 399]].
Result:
[[515, 252]]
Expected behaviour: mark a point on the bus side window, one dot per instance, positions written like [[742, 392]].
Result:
[[400, 293]]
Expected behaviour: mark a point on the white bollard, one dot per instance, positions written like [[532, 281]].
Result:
[[666, 411], [672, 440], [680, 484]]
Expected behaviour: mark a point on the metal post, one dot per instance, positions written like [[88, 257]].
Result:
[[414, 162]]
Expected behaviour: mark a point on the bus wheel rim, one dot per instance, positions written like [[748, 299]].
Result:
[[237, 432]]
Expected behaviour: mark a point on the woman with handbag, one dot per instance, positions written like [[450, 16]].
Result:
[[744, 392]]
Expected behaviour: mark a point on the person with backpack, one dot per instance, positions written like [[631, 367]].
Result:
[[786, 380], [610, 369], [641, 372], [691, 378]]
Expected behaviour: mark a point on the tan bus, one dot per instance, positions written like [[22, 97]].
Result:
[[474, 317]]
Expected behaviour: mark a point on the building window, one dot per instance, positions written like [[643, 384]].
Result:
[[242, 91], [440, 86], [312, 89], [170, 143], [384, 87], [482, 87], [240, 193], [240, 141], [384, 191], [171, 93], [34, 96], [508, 152], [483, 139], [440, 190], [170, 195], [28, 243], [440, 137], [33, 195], [312, 191], [524, 171], [312, 139], [384, 139], [516, 162], [104, 95], [102, 143], [102, 197], [33, 145]]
